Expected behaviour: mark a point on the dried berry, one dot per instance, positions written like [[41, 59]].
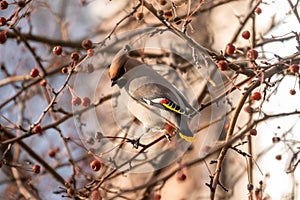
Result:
[[95, 165], [292, 91], [43, 83], [75, 56], [222, 65], [2, 21], [246, 34], [3, 5], [157, 197], [230, 48], [294, 68], [278, 157], [57, 50], [37, 129], [3, 37], [162, 2], [76, 101], [253, 132], [36, 169], [90, 52], [87, 44], [34, 72], [168, 14], [250, 187], [86, 101], [256, 96], [52, 153], [21, 3], [258, 10], [275, 139], [64, 70], [181, 176], [139, 16], [252, 54]]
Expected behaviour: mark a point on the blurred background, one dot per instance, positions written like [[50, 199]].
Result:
[[64, 133]]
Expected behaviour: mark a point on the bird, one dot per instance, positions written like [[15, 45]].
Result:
[[152, 99]]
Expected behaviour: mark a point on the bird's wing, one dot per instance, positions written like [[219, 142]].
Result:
[[161, 97]]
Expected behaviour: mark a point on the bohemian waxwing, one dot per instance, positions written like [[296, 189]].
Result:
[[150, 97]]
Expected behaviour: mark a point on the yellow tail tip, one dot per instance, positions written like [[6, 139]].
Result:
[[187, 138]]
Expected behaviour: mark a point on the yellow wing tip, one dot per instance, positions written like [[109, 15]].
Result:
[[187, 138]]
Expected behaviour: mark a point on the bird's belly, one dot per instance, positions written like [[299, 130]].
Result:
[[151, 118]]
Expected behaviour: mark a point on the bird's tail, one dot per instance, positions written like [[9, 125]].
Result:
[[187, 137], [184, 131]]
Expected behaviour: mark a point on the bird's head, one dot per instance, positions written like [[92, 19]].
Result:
[[120, 65]]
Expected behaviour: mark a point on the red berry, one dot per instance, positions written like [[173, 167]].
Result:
[[64, 70], [294, 68], [278, 157], [230, 48], [90, 52], [181, 176], [87, 44], [162, 2], [139, 16], [75, 56], [36, 169], [157, 197], [52, 153], [34, 72], [21, 3], [250, 187], [253, 132], [43, 83], [246, 34], [168, 128], [292, 91], [252, 54], [57, 50], [168, 14], [222, 65], [37, 129], [86, 101], [95, 165], [3, 5], [3, 37], [2, 21], [256, 96], [76, 101], [258, 10]]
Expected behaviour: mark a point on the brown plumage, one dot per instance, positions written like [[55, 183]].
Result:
[[149, 96]]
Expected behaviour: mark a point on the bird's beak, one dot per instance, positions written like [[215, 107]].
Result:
[[113, 82]]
